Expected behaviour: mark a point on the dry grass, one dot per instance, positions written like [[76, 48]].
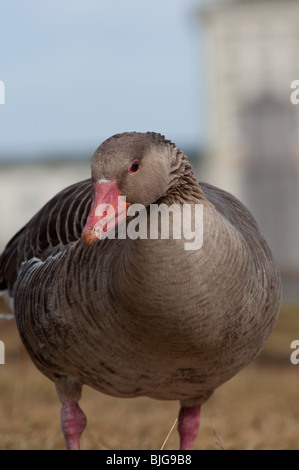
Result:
[[258, 409]]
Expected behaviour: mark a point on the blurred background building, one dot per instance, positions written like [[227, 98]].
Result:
[[223, 96], [253, 145], [26, 186]]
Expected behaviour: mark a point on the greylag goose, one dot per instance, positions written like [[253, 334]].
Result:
[[133, 315]]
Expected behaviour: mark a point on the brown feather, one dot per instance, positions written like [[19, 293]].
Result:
[[143, 317]]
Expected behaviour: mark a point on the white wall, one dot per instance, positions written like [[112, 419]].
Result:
[[24, 188]]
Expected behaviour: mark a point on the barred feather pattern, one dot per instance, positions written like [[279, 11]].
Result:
[[129, 318]]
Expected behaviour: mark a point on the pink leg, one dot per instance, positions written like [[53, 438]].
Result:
[[73, 422], [188, 426]]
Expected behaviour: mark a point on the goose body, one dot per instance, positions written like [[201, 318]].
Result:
[[140, 316]]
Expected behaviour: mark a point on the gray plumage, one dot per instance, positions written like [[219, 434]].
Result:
[[142, 317]]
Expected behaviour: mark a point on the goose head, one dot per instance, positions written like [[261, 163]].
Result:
[[128, 168]]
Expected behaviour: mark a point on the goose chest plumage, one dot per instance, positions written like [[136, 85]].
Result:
[[133, 315]]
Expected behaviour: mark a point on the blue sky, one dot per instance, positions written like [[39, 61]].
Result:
[[78, 71]]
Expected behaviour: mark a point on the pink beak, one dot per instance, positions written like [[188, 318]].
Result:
[[107, 210]]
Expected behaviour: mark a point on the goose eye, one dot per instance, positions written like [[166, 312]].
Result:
[[134, 166]]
